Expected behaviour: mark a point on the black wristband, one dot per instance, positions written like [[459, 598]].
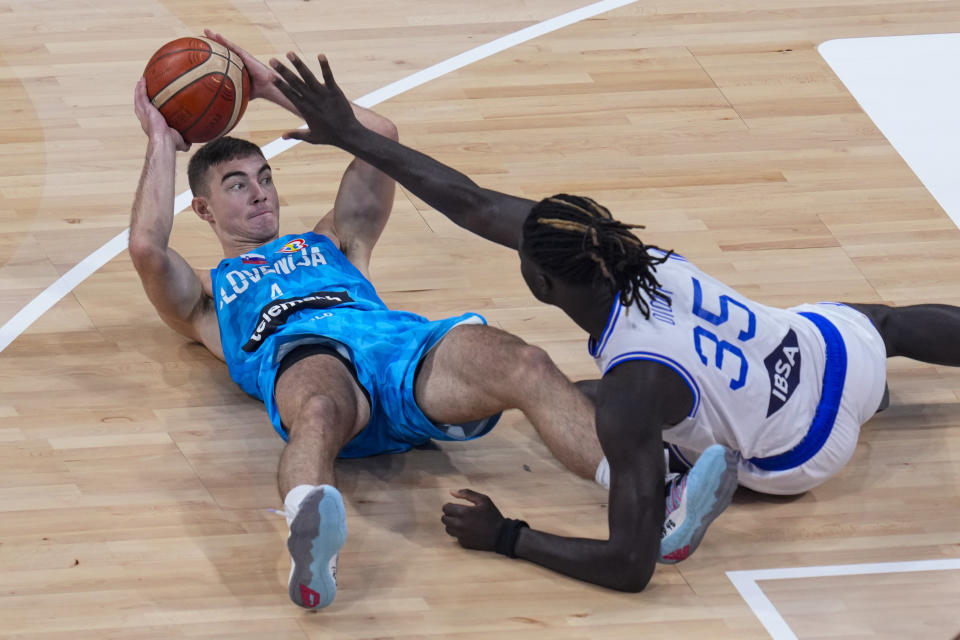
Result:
[[507, 535]]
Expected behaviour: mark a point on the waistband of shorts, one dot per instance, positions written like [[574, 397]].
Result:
[[834, 373]]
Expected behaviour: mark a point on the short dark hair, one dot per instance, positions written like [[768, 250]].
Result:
[[574, 238], [213, 153]]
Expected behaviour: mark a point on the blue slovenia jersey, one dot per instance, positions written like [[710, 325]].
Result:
[[276, 294]]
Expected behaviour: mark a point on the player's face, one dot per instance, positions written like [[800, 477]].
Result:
[[244, 200]]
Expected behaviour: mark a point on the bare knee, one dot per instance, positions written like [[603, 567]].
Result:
[[321, 416], [320, 407], [533, 363]]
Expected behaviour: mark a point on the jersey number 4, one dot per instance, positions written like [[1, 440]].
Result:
[[704, 339]]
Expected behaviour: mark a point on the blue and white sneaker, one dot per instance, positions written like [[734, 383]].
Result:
[[317, 533], [695, 499]]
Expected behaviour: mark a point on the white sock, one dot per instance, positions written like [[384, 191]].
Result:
[[602, 476], [291, 504]]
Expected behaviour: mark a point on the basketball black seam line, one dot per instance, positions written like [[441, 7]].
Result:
[[238, 91], [209, 104], [223, 79], [212, 53], [185, 87], [170, 53]]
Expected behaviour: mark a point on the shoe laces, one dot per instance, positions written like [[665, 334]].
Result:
[[675, 488]]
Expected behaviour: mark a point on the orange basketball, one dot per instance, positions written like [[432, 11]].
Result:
[[199, 86]]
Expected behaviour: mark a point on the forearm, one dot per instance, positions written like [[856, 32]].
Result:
[[151, 218], [629, 434], [601, 562], [492, 215], [443, 187]]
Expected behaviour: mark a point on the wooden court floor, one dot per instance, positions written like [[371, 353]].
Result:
[[137, 482]]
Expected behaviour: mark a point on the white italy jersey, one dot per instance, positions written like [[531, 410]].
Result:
[[756, 372]]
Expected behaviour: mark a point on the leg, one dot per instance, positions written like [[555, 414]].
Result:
[[476, 371], [323, 408], [924, 332]]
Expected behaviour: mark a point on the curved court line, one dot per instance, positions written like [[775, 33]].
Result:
[[86, 267]]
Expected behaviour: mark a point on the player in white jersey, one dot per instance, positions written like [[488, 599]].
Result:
[[685, 359], [788, 389], [769, 383]]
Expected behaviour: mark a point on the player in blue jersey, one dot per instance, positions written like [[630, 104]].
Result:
[[684, 358], [301, 327]]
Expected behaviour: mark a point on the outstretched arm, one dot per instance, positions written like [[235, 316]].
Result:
[[171, 284], [330, 119], [629, 427]]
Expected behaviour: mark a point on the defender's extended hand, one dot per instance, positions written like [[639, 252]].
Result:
[[475, 527], [324, 107]]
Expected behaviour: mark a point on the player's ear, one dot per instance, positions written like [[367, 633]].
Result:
[[541, 286], [539, 283], [545, 284], [202, 208]]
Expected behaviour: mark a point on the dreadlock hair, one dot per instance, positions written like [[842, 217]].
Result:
[[574, 238], [213, 153]]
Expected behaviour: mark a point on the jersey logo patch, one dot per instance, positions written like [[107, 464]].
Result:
[[253, 258], [293, 246], [783, 365], [275, 314]]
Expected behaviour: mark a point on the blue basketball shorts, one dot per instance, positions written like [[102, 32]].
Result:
[[385, 348]]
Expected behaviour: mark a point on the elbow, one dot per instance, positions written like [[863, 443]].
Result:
[[139, 253], [144, 255], [634, 584], [630, 571]]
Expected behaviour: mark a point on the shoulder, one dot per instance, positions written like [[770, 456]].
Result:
[[644, 391], [638, 377], [327, 227]]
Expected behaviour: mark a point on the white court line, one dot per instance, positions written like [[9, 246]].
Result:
[[68, 281], [770, 618]]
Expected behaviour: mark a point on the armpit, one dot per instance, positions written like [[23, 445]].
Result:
[[206, 281]]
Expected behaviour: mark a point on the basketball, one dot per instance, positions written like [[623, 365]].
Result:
[[200, 87]]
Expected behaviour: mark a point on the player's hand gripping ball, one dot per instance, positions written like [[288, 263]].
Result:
[[199, 86]]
